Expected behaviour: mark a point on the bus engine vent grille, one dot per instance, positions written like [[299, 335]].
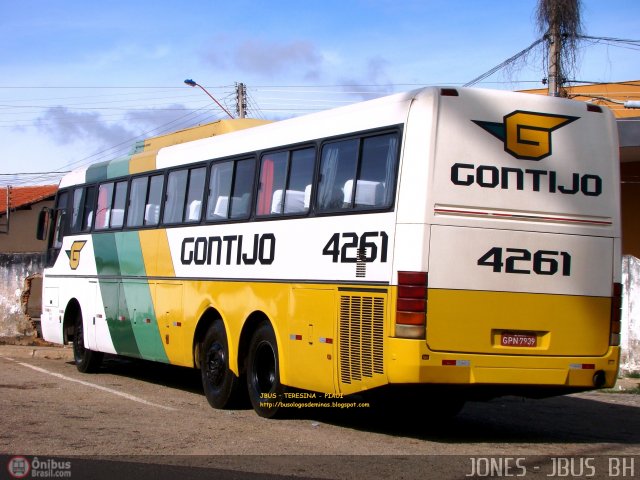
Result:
[[361, 337]]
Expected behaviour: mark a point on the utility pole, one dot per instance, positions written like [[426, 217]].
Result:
[[555, 74], [241, 99], [559, 22]]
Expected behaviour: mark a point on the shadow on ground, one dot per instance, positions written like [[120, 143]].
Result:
[[579, 418]]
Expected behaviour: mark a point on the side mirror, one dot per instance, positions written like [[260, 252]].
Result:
[[43, 223]]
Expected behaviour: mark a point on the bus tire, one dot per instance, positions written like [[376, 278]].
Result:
[[87, 361], [263, 373], [219, 382]]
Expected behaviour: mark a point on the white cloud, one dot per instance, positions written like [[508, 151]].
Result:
[[269, 58]]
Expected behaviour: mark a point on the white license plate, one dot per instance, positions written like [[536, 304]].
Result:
[[518, 340]]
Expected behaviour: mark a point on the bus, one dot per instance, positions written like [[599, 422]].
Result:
[[448, 242]]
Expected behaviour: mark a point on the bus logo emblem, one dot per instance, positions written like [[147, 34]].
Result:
[[526, 135], [74, 253]]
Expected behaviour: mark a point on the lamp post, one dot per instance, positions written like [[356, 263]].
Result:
[[191, 83]]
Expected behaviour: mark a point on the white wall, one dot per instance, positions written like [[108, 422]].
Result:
[[630, 334], [14, 269]]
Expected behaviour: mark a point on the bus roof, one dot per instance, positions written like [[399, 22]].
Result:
[[233, 138]]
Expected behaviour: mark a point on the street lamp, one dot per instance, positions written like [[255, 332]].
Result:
[[191, 83]]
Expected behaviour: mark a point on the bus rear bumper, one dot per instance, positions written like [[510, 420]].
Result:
[[410, 361]]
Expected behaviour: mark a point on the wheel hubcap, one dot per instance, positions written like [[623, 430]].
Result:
[[216, 364], [78, 340], [265, 368]]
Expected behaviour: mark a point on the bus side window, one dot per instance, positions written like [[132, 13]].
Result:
[[176, 192], [273, 171], [112, 199], [193, 206], [137, 201], [103, 210], [119, 202], [219, 191], [298, 193], [82, 209], [89, 207], [60, 220], [337, 167], [242, 186], [358, 174], [76, 213], [377, 173], [154, 199], [285, 182]]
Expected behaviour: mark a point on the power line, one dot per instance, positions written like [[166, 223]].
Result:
[[32, 173], [504, 64]]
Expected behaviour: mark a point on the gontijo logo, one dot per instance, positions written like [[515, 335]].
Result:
[[526, 135], [74, 253]]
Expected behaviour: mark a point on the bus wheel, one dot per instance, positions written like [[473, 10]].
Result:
[[219, 382], [263, 373], [87, 361]]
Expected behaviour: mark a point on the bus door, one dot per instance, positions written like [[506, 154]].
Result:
[[172, 330]]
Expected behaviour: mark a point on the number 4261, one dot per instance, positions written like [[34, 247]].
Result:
[[520, 260]]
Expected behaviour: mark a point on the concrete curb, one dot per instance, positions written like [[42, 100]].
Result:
[[50, 353]]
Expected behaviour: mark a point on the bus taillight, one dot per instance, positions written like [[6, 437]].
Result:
[[616, 312], [411, 305]]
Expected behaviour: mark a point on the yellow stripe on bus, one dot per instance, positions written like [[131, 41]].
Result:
[[166, 295], [143, 162]]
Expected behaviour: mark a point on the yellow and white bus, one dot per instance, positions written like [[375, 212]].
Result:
[[444, 237]]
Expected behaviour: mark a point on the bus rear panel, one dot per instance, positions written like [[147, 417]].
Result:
[[521, 244]]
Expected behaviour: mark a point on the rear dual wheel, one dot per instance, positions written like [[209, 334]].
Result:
[[263, 373], [221, 385]]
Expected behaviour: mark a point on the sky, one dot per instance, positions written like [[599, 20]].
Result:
[[82, 81]]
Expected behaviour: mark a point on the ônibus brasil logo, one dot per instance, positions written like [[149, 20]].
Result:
[[19, 467], [526, 135]]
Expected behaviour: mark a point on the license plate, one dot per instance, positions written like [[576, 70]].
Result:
[[518, 340]]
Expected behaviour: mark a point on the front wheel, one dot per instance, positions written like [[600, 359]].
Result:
[[263, 373], [220, 384], [87, 361]]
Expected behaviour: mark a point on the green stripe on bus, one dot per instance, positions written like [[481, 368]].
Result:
[[139, 309], [102, 171], [113, 297], [106, 254], [129, 254], [118, 168], [97, 172]]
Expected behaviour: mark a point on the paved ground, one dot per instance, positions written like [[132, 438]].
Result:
[[36, 348], [140, 416]]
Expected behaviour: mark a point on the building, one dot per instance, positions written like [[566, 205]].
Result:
[[614, 96], [22, 257]]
